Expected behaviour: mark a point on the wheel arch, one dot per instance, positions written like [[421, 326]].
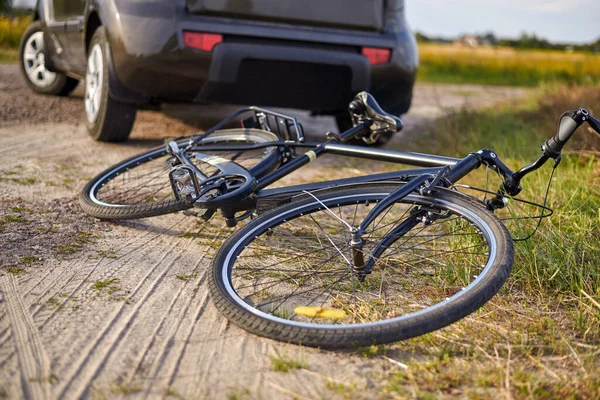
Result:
[[99, 15], [93, 22], [40, 12]]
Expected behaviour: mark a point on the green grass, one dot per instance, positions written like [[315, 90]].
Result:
[[9, 55], [371, 351], [186, 277], [284, 363], [562, 258], [506, 66], [15, 270], [109, 284], [540, 336], [171, 392], [125, 389], [76, 245], [15, 219]]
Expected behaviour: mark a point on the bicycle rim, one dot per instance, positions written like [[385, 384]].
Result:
[[140, 186], [292, 270]]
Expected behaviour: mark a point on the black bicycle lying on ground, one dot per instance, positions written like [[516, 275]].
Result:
[[356, 261]]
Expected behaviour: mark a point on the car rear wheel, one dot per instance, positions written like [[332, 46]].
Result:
[[108, 120], [33, 65]]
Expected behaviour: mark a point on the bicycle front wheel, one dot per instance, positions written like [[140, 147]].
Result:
[[288, 275], [139, 187]]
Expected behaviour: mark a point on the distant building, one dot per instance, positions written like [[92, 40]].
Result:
[[473, 41]]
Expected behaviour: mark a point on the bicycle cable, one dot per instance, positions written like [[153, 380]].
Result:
[[539, 218]]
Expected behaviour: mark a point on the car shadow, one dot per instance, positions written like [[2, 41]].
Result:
[[205, 116]]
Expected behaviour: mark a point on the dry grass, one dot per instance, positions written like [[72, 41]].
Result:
[[506, 66], [540, 337], [11, 29]]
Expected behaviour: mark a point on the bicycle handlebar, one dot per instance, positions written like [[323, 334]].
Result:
[[567, 125]]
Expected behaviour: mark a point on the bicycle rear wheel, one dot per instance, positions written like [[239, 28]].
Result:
[[139, 187], [288, 274]]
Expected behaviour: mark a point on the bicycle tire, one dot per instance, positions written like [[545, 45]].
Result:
[[233, 273], [144, 203]]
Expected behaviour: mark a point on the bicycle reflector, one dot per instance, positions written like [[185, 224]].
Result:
[[201, 41], [377, 55]]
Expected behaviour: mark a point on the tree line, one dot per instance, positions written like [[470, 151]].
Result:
[[525, 41]]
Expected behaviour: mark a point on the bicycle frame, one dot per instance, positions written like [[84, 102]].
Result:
[[430, 164], [431, 167], [434, 170]]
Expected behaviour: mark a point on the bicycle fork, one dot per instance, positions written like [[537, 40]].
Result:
[[424, 184]]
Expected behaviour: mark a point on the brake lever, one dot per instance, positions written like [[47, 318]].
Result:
[[594, 124]]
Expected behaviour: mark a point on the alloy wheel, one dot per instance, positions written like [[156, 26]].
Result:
[[93, 83], [34, 61]]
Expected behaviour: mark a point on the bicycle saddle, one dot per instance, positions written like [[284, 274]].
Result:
[[364, 106]]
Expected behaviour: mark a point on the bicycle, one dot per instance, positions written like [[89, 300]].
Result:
[[355, 261]]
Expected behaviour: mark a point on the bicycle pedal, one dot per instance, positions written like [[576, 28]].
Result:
[[206, 215], [191, 213], [184, 182]]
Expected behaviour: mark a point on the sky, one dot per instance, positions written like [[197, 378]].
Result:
[[575, 21]]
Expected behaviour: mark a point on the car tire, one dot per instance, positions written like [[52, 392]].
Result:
[[108, 120], [32, 60], [344, 122]]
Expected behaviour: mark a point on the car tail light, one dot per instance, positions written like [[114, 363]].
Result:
[[377, 55], [201, 41]]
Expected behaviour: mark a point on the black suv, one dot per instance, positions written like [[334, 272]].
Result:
[[310, 54]]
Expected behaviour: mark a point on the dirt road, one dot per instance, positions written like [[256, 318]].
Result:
[[102, 310]]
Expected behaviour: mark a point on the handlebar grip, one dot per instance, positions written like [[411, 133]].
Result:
[[567, 125]]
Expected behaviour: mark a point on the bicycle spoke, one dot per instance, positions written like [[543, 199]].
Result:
[[424, 266]]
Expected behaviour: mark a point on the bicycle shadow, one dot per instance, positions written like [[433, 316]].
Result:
[[174, 225]]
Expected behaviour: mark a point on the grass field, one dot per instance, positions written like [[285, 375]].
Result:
[[505, 66], [11, 29], [540, 336]]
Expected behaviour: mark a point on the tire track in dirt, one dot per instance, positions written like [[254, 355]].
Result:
[[140, 240], [90, 364], [123, 260], [180, 314], [46, 148], [180, 347], [34, 364], [162, 360], [149, 236]]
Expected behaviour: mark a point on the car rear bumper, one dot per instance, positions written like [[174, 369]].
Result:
[[284, 76], [262, 63]]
